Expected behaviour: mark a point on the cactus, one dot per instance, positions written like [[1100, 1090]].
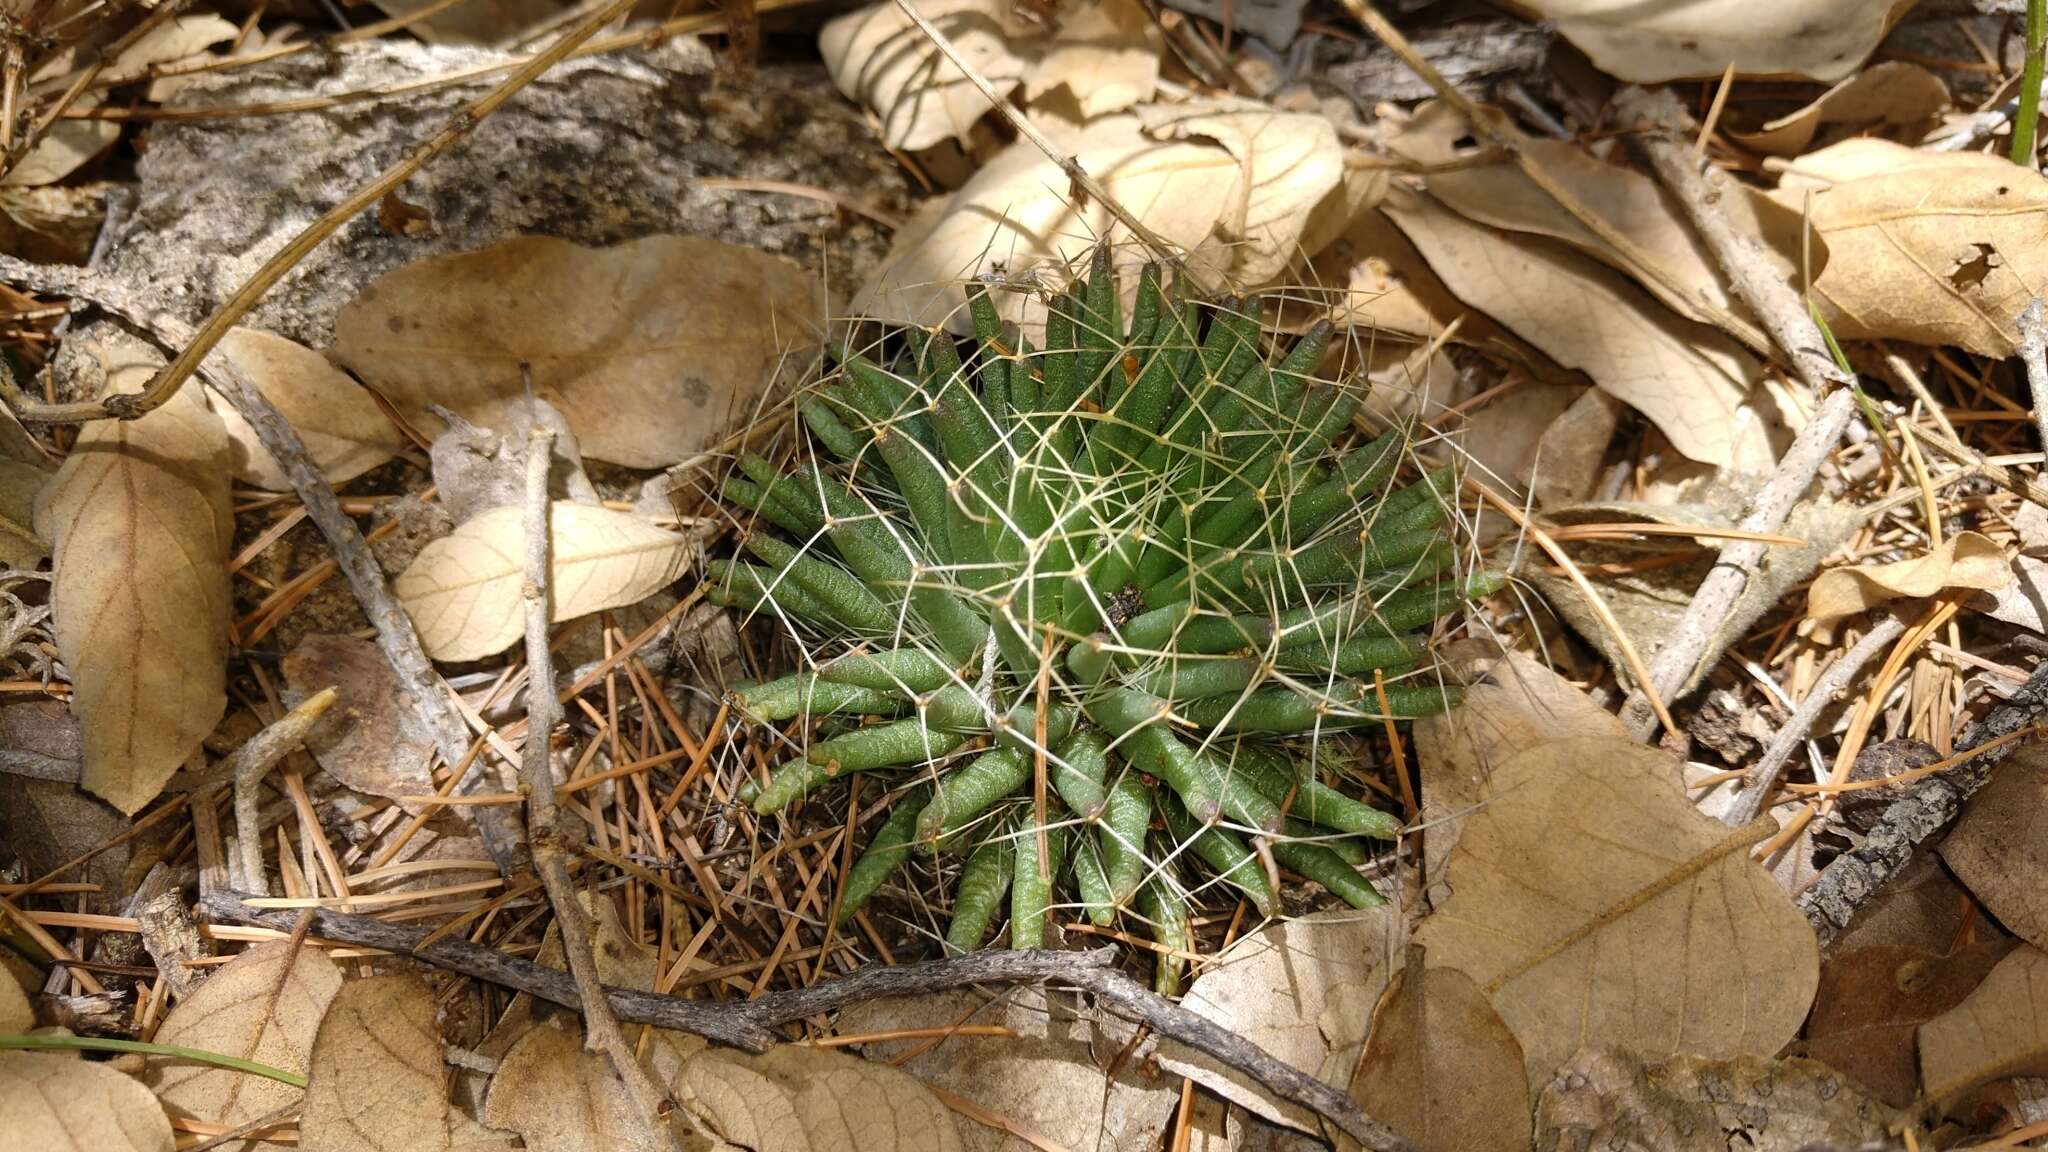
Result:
[[1141, 560]]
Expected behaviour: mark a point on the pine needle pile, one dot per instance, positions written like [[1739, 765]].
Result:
[[1101, 606]]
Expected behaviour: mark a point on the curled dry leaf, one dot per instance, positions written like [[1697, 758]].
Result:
[[378, 1083], [141, 530], [648, 348], [1998, 1031], [1590, 899], [1609, 1099], [1441, 1068], [51, 1101], [264, 1005], [1048, 1076], [1965, 560], [20, 546], [1872, 1000], [1999, 849], [1942, 250], [1106, 56], [796, 1099], [463, 590], [880, 59], [344, 431], [1894, 93], [1818, 39], [1200, 196], [1693, 382], [369, 740], [560, 1097]]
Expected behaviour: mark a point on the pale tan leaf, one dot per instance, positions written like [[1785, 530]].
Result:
[[1017, 214], [1999, 849], [370, 739], [463, 590], [1288, 164], [1302, 989], [378, 1083], [1861, 157], [1964, 561], [560, 1097], [880, 59], [20, 546], [1998, 1031], [1649, 44], [1045, 1076], [1609, 1100], [1572, 452], [2023, 600], [140, 527], [1872, 1001], [15, 1013], [1441, 1068], [648, 348], [50, 1102], [1944, 251], [1590, 899], [1105, 55], [1691, 381], [264, 1005], [1893, 93], [344, 431], [795, 1099]]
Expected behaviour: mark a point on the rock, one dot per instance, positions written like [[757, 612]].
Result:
[[599, 151]]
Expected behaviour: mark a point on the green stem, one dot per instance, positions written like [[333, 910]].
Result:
[[96, 1044], [2029, 114]]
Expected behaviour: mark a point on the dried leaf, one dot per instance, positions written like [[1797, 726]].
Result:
[[1894, 93], [1965, 560], [46, 822], [264, 1005], [1288, 164], [1872, 1000], [1048, 1076], [463, 590], [1572, 452], [2023, 600], [1105, 55], [1999, 849], [15, 1013], [1819, 39], [140, 523], [344, 431], [369, 739], [1590, 899], [1302, 989], [1945, 251], [648, 347], [1608, 1099], [52, 224], [1691, 381], [1998, 1031], [377, 1082], [1442, 1069], [880, 59], [20, 547], [49, 1101], [559, 1097], [796, 1099]]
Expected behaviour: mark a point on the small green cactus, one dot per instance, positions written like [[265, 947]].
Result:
[[1145, 557]]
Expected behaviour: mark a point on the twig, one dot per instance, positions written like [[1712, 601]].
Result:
[[1676, 666], [428, 694], [275, 1118], [1075, 172], [195, 350], [1855, 876], [1763, 777], [251, 763], [2034, 354], [747, 1024], [600, 1028]]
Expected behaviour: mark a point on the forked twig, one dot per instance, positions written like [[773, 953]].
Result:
[[252, 762]]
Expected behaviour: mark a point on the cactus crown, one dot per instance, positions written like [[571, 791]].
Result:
[[1146, 560]]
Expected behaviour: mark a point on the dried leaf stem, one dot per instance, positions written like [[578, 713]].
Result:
[[202, 342], [600, 1027], [748, 1024]]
